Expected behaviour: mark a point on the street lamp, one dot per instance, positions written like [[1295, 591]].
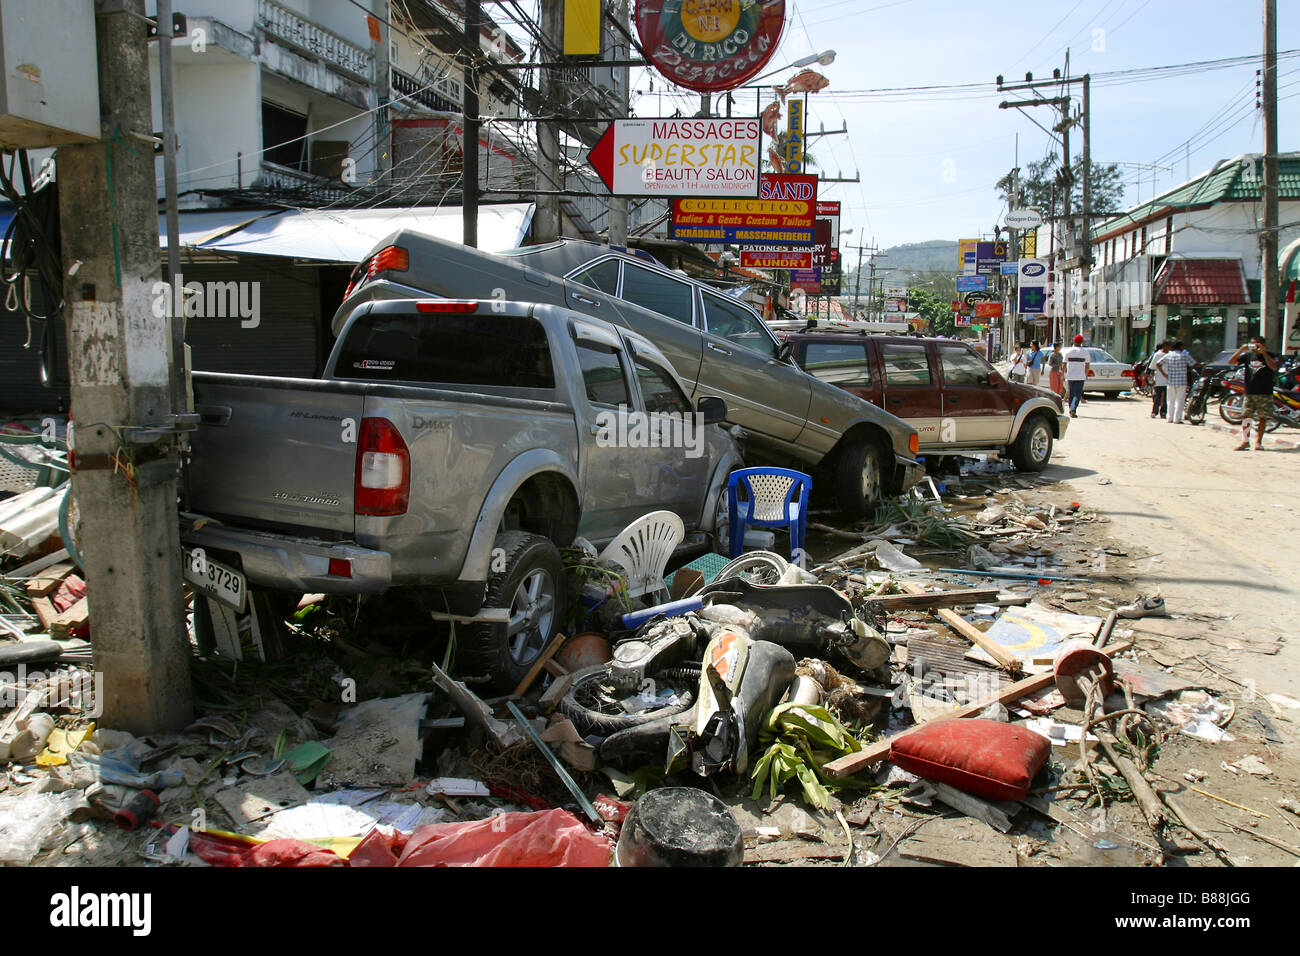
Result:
[[825, 58]]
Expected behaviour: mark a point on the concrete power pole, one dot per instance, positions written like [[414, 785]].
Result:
[[1270, 325], [119, 359], [469, 136], [621, 51], [546, 220]]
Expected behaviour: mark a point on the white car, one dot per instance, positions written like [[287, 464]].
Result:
[[1107, 374]]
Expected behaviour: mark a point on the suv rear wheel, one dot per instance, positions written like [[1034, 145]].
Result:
[[531, 588], [860, 479], [1033, 448]]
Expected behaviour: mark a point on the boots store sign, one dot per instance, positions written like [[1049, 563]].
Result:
[[710, 45]]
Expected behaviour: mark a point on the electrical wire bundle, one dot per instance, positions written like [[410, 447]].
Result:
[[31, 254]]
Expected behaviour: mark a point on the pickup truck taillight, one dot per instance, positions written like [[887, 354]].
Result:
[[383, 477]]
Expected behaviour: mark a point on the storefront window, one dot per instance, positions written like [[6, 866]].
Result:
[[1201, 330], [1247, 325]]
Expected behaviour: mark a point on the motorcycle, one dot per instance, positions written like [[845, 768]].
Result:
[[1286, 401], [693, 690], [1198, 396]]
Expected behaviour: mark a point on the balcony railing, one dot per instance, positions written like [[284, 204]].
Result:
[[442, 94], [293, 185], [294, 31]]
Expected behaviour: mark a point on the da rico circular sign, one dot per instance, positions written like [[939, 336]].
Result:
[[710, 45]]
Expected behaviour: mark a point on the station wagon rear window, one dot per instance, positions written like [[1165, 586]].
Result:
[[658, 293], [505, 351], [603, 276]]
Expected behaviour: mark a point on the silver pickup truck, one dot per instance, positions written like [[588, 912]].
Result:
[[451, 448], [718, 345]]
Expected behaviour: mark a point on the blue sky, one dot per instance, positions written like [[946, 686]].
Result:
[[928, 159]]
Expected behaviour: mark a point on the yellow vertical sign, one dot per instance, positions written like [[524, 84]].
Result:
[[794, 137], [581, 27]]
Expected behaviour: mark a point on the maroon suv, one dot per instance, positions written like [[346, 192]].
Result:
[[957, 401]]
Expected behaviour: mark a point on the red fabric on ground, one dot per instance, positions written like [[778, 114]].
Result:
[[546, 838]]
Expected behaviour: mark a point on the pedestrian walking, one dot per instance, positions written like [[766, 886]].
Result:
[[1018, 364], [1077, 367], [1260, 370], [1177, 364], [1159, 383], [1035, 363], [1056, 370]]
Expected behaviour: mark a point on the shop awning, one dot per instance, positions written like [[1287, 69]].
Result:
[[1201, 282], [343, 235]]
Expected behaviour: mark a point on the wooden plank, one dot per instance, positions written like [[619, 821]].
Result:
[[74, 617], [1006, 660], [790, 850], [933, 599], [47, 582], [536, 669], [45, 612]]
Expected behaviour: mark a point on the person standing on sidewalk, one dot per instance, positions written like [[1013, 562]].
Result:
[[1177, 364], [1018, 366], [1159, 382], [1035, 363], [1056, 370], [1260, 370], [1077, 367]]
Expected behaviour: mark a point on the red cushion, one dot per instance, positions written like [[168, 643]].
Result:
[[983, 757]]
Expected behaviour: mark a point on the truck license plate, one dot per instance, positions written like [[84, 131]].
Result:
[[215, 579]]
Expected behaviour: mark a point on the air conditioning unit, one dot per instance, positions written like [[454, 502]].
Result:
[[49, 76]]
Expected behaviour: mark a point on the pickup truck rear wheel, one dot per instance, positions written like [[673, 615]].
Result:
[[1033, 447], [531, 588], [859, 480]]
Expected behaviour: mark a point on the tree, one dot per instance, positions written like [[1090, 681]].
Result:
[[935, 310], [1040, 178]]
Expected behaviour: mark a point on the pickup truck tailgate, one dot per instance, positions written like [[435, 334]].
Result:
[[276, 452]]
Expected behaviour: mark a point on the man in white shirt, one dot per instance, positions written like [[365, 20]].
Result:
[[1077, 368], [1159, 381]]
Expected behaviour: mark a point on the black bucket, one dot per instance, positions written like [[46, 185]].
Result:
[[680, 826]]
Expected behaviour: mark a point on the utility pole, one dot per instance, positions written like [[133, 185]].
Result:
[[857, 283], [119, 361], [617, 205], [546, 220], [1270, 325], [469, 137]]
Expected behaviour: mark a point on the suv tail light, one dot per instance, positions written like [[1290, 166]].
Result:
[[383, 475]]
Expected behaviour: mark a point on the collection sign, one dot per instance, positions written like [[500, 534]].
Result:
[[710, 45], [782, 215], [681, 157]]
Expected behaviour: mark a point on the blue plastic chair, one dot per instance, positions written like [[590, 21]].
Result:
[[775, 498]]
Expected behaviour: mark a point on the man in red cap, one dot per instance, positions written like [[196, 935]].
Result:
[[1077, 368]]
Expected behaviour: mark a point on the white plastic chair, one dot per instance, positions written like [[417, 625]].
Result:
[[643, 548]]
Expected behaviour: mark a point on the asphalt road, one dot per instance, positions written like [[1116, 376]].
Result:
[[1223, 526]]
